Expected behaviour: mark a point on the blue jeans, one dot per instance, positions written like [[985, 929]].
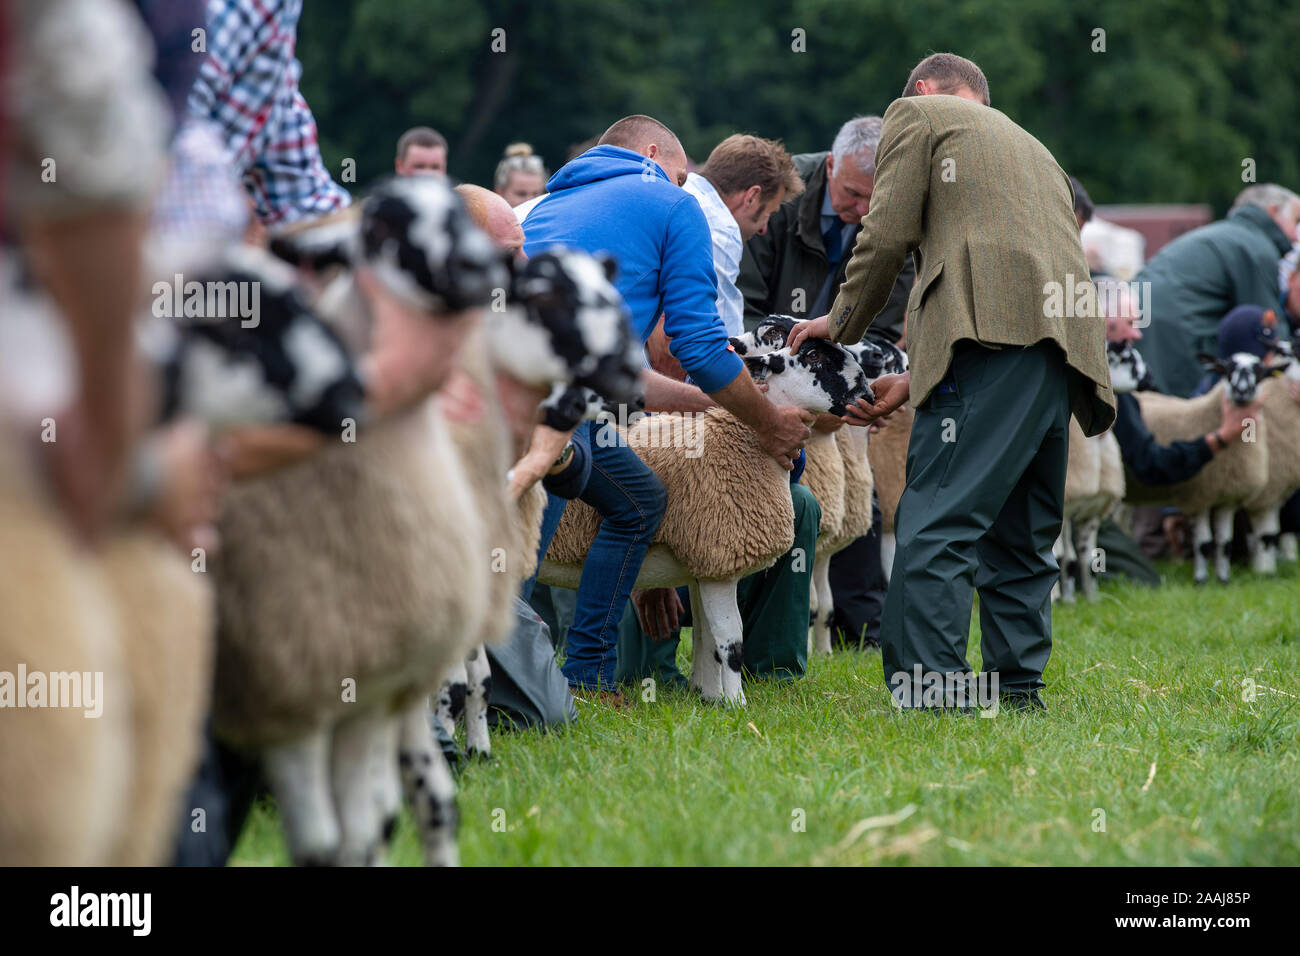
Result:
[[630, 500]]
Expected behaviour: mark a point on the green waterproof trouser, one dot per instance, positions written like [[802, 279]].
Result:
[[982, 506], [773, 609]]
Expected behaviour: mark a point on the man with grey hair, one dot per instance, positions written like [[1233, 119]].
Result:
[[796, 268], [1202, 275]]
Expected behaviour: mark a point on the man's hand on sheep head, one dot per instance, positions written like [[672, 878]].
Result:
[[818, 328], [892, 391], [1235, 417]]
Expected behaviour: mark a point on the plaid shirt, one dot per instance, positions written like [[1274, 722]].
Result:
[[248, 86]]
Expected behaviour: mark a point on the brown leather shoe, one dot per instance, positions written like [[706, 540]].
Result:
[[610, 698]]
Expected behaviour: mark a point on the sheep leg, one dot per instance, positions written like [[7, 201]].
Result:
[[1058, 552], [1289, 546], [357, 774], [1070, 559], [430, 790], [479, 672], [1202, 547], [812, 612], [821, 580], [706, 670], [718, 606], [298, 775], [388, 781], [887, 545], [1222, 541], [1086, 547], [1267, 525], [451, 698]]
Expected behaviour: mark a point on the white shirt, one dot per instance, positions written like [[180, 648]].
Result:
[[727, 250], [524, 208]]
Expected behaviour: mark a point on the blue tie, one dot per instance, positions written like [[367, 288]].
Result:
[[831, 239]]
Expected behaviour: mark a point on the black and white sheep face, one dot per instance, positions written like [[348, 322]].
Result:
[[418, 237], [895, 359], [1128, 370], [567, 405], [768, 335], [1286, 360], [566, 324], [871, 357], [821, 377], [1243, 373], [286, 367]]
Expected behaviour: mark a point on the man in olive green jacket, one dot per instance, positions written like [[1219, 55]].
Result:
[[1005, 342]]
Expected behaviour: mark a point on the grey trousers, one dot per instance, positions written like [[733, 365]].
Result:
[[981, 509]]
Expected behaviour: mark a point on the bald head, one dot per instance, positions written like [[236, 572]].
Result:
[[494, 216], [652, 139]]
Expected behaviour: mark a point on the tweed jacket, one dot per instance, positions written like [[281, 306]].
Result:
[[988, 216]]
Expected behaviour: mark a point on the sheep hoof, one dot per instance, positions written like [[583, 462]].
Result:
[[473, 754]]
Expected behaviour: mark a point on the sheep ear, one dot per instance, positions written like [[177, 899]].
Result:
[[1213, 364], [739, 345]]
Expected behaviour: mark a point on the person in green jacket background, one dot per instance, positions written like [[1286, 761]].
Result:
[[1202, 275]]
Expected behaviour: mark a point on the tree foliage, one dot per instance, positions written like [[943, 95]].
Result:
[[1183, 92]]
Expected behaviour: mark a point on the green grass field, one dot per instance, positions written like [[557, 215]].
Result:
[[1147, 732]]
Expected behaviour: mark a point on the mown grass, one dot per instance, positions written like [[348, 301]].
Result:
[[1147, 723]]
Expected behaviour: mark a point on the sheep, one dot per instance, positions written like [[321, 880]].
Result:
[[567, 330], [1283, 415], [134, 612], [352, 583], [349, 583], [729, 512], [1234, 476], [65, 775], [1094, 485], [837, 471], [853, 444]]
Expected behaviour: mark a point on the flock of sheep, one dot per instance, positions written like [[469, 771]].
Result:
[[356, 586]]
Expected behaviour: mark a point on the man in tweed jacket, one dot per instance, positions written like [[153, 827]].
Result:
[[1005, 342]]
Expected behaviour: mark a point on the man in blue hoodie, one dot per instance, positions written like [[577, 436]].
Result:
[[624, 197]]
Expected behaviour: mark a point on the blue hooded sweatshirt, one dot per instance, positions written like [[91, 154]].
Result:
[[613, 200]]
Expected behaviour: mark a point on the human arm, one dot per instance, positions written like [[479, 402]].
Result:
[[1156, 464], [541, 459]]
